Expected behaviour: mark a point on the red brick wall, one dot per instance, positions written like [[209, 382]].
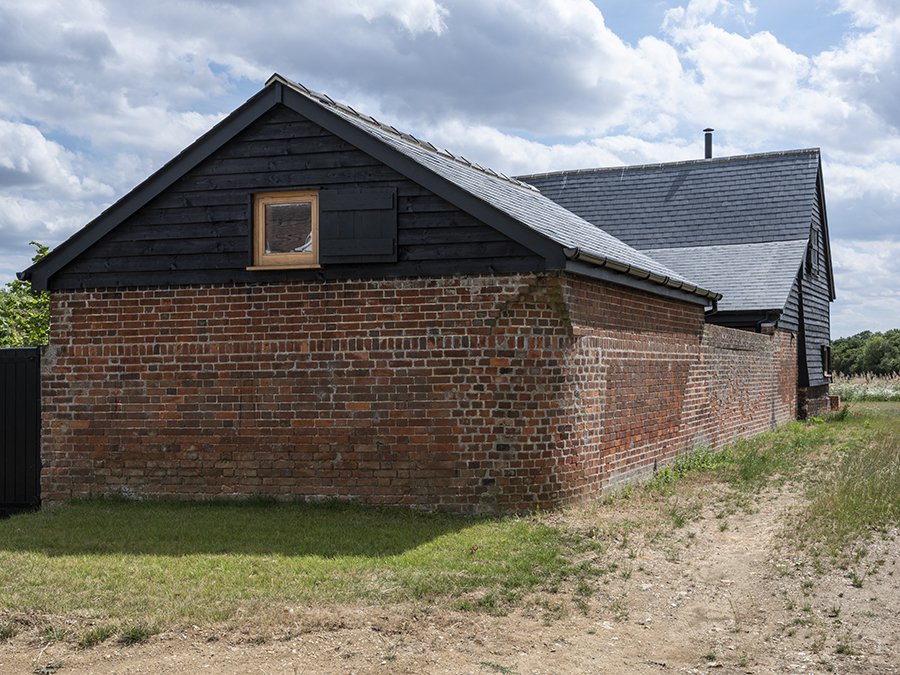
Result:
[[663, 382], [470, 394]]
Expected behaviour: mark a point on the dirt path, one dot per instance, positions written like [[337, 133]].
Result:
[[709, 595]]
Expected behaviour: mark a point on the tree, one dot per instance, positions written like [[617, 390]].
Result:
[[867, 353], [24, 312], [847, 353]]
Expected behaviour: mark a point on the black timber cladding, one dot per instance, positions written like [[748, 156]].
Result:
[[815, 294], [198, 230], [20, 429]]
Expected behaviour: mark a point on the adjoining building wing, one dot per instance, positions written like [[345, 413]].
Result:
[[751, 227]]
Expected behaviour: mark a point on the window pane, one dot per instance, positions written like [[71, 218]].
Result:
[[289, 228]]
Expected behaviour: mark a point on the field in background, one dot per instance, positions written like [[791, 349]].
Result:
[[866, 388]]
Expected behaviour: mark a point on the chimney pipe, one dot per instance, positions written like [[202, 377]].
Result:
[[708, 137]]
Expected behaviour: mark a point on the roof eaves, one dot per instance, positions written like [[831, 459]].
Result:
[[637, 272]]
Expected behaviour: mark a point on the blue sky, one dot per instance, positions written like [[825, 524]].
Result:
[[97, 94]]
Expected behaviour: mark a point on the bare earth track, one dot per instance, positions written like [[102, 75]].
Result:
[[713, 594]]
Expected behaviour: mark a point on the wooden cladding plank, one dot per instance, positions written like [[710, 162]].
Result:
[[193, 214], [452, 231], [282, 131], [175, 200], [165, 231], [160, 263], [197, 246], [287, 179], [460, 251], [254, 165], [285, 146]]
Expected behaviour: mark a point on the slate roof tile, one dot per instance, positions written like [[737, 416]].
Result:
[[750, 276], [720, 222]]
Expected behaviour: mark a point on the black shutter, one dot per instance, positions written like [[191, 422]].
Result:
[[358, 226]]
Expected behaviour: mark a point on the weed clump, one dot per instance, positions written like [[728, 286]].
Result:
[[136, 633], [95, 636]]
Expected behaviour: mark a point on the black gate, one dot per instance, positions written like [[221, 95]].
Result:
[[20, 429]]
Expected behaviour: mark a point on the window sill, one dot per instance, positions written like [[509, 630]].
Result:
[[263, 268]]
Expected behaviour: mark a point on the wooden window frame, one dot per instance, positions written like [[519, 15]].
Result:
[[299, 260]]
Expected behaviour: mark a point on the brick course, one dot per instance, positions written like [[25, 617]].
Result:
[[478, 394]]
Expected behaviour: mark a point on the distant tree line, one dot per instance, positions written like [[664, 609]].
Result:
[[24, 312], [867, 353]]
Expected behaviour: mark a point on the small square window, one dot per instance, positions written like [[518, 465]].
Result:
[[286, 229]]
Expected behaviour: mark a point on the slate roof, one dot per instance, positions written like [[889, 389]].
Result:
[[729, 200], [750, 277], [516, 198], [738, 225]]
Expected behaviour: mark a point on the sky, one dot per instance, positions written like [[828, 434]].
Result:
[[98, 94]]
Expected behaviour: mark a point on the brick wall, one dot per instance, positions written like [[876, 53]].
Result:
[[466, 393], [815, 401], [665, 382]]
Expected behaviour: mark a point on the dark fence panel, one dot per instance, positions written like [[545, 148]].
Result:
[[20, 429]]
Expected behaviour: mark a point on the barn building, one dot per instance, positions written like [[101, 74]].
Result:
[[307, 304]]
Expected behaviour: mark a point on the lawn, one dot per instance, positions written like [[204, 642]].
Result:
[[134, 567], [170, 563]]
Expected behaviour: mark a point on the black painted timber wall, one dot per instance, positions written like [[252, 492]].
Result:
[[199, 230], [20, 429], [814, 298]]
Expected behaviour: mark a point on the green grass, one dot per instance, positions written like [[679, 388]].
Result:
[[136, 633], [96, 635], [171, 563], [859, 493], [750, 464]]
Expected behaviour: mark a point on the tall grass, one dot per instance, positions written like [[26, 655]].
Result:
[[867, 388], [860, 493]]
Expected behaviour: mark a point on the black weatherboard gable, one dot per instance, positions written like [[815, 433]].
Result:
[[512, 208]]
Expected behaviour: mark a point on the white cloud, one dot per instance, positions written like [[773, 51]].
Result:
[[871, 12], [872, 179], [28, 161], [416, 16], [866, 276]]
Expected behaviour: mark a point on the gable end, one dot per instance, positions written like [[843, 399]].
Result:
[[374, 222]]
